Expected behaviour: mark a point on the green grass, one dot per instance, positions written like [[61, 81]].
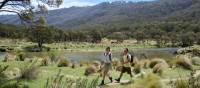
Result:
[[49, 71]]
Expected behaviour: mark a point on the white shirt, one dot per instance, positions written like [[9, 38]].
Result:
[[126, 58], [108, 57]]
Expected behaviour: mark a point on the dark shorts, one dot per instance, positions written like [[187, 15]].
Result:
[[126, 70]]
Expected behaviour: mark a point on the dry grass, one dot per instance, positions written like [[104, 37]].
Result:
[[184, 62], [64, 63]]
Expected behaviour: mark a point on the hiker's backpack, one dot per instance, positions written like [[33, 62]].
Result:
[[132, 57]]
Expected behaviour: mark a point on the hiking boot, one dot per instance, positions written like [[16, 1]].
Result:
[[102, 82], [118, 80], [111, 80]]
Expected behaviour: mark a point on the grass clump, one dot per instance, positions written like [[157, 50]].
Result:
[[158, 69], [184, 62], [60, 81], [145, 63], [30, 73], [196, 61], [137, 68], [149, 81], [157, 61], [63, 63]]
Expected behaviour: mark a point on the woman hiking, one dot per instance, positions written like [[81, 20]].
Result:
[[107, 65]]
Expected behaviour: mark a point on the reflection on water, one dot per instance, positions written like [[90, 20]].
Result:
[[165, 53]]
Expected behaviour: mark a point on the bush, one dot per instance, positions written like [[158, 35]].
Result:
[[63, 63]]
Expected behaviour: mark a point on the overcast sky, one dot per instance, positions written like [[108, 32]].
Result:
[[69, 3]]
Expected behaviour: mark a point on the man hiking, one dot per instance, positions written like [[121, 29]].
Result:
[[126, 65], [107, 65]]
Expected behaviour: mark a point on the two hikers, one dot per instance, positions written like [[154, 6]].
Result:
[[107, 66]]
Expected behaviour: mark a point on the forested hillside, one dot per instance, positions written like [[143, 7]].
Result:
[[120, 12]]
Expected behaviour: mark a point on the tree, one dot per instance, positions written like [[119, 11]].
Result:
[[96, 36], [119, 36], [187, 39], [25, 8], [140, 36], [40, 33]]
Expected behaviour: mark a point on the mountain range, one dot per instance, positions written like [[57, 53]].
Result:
[[119, 11]]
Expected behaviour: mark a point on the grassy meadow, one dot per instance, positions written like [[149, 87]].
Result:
[[151, 70]]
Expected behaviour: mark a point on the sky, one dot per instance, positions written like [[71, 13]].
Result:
[[80, 3]]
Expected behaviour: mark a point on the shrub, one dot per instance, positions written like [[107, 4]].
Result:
[[63, 63]]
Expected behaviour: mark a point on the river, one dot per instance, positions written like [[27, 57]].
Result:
[[165, 53]]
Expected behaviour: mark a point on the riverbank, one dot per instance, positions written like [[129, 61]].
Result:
[[22, 45]]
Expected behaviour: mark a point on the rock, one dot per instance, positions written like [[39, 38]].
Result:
[[12, 73]]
